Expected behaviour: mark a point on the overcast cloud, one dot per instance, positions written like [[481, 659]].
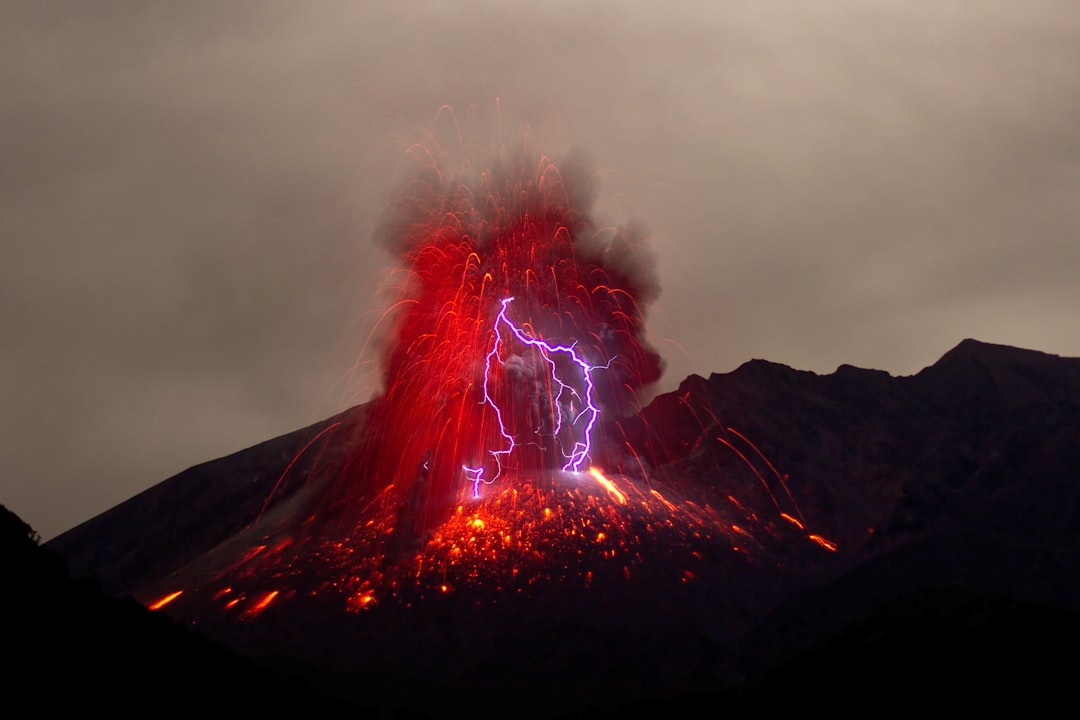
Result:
[[188, 192]]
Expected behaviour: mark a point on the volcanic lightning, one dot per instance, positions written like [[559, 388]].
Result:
[[571, 408]]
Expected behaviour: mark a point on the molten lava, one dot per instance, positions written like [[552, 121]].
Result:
[[162, 602]]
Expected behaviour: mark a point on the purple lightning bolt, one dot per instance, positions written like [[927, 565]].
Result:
[[589, 412]]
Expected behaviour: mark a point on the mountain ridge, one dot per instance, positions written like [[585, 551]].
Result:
[[834, 493]]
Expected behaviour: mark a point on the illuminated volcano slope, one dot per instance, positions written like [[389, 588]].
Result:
[[535, 583]]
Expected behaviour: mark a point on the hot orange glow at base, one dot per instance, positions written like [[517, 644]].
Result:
[[528, 533]]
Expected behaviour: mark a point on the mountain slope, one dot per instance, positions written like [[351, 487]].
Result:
[[747, 516]]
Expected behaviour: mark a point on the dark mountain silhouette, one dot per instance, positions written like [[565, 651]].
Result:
[[69, 646], [905, 533]]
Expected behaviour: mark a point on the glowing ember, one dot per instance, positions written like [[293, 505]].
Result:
[[158, 604], [261, 604], [613, 492]]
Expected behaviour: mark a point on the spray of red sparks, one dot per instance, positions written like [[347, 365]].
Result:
[[509, 302]]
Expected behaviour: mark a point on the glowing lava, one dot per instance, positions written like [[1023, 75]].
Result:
[[613, 492], [162, 602]]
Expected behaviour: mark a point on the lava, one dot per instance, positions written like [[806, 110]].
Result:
[[555, 529], [162, 602], [261, 604], [613, 492]]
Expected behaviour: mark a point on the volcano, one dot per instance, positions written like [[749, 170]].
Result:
[[723, 531]]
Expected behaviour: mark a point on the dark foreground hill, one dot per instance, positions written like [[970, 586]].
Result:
[[856, 530], [69, 647]]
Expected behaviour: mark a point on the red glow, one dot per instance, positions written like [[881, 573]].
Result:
[[613, 492], [827, 544], [260, 604], [792, 520], [157, 605]]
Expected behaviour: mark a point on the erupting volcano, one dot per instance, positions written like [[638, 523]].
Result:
[[502, 454], [506, 520]]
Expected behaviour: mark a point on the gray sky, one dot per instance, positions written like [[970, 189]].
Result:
[[188, 192]]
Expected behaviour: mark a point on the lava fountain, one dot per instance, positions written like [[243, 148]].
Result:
[[517, 327]]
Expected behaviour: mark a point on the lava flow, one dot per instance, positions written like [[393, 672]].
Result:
[[494, 457]]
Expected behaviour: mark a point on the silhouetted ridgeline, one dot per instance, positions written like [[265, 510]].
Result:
[[961, 647]]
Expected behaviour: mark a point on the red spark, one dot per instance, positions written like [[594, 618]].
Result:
[[158, 604], [613, 492], [260, 604]]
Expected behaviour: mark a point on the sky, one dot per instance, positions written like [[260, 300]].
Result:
[[188, 194]]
